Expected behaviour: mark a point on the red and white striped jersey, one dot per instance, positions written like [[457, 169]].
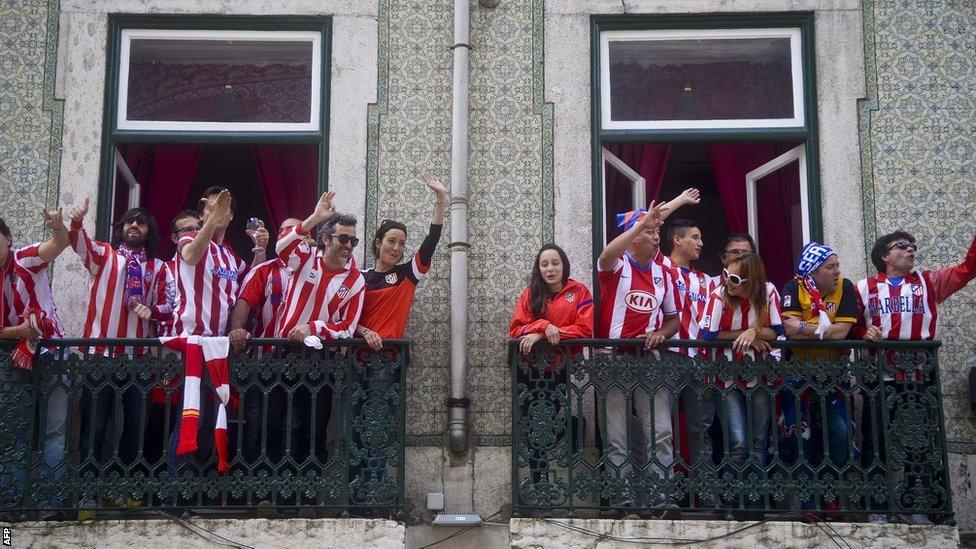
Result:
[[27, 287], [634, 299], [740, 316], [108, 316], [693, 287], [206, 292], [907, 311], [330, 302], [264, 289]]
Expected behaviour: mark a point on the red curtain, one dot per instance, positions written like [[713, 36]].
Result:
[[777, 195], [288, 176], [166, 173], [650, 161]]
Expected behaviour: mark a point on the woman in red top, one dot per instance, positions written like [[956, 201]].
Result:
[[553, 306], [556, 308]]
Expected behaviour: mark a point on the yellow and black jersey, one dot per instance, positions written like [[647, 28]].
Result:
[[840, 306]]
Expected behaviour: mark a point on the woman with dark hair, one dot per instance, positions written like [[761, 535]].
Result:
[[390, 285], [553, 306], [744, 309]]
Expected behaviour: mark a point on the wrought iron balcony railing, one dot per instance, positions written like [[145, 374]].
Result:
[[320, 429], [847, 428]]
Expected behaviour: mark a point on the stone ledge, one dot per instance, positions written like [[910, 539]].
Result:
[[532, 533], [163, 533]]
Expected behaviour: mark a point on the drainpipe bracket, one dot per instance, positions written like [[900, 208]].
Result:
[[459, 245], [463, 402], [461, 45]]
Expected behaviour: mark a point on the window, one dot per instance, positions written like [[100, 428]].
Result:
[[721, 103], [195, 80], [200, 101], [723, 78]]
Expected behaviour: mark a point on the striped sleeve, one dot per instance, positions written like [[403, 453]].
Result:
[[711, 320], [29, 257], [348, 318], [91, 252], [290, 250]]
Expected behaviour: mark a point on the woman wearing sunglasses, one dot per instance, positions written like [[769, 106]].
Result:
[[744, 309], [390, 285]]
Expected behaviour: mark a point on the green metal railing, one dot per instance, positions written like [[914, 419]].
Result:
[[846, 429], [320, 429]]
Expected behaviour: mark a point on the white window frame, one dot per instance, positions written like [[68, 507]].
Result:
[[796, 62], [796, 154], [638, 187], [315, 38]]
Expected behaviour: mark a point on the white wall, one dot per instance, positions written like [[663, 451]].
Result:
[[81, 83]]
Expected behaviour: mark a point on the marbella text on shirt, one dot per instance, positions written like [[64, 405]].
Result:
[[914, 304]]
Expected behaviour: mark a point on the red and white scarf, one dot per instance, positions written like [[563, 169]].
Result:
[[196, 351], [23, 355]]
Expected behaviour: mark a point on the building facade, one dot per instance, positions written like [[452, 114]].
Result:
[[889, 103]]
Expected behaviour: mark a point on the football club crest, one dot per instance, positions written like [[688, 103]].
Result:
[[787, 300], [342, 292], [917, 290], [391, 278], [570, 297], [657, 280], [312, 275], [830, 306]]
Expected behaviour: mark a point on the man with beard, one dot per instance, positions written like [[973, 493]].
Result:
[[125, 294]]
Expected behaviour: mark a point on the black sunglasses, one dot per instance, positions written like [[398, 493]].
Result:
[[345, 239], [187, 230], [903, 246]]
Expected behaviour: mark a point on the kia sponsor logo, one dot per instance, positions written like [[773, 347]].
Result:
[[640, 301]]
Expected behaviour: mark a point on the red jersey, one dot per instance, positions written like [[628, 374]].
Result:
[[264, 289], [909, 310], [330, 302], [26, 287], [693, 289], [108, 316], [206, 292], [570, 310], [634, 299], [389, 295]]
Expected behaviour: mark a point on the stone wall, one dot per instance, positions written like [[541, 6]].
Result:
[[206, 533]]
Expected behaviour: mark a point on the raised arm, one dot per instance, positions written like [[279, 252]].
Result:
[[617, 246], [216, 210], [691, 195], [91, 252], [429, 244], [323, 210], [52, 247], [949, 280]]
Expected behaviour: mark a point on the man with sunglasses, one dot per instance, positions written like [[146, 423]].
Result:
[[324, 301], [901, 303]]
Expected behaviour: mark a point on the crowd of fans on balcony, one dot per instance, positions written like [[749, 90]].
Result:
[[206, 302]]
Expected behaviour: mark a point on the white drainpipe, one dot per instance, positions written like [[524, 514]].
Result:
[[457, 426]]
